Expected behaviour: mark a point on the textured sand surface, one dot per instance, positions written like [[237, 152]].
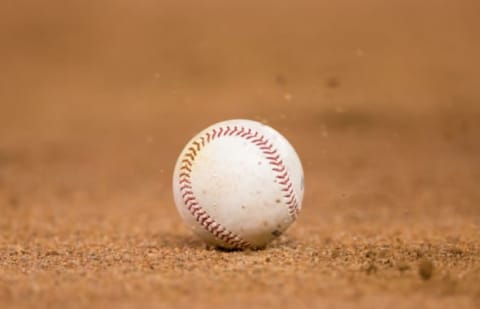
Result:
[[381, 101]]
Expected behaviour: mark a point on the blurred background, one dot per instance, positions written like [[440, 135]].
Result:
[[404, 55], [97, 99], [381, 99]]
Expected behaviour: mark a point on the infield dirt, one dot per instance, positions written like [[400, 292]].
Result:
[[380, 99]]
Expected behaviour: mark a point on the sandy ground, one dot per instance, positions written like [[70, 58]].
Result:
[[380, 99]]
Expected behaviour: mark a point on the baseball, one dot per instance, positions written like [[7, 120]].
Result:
[[238, 184]]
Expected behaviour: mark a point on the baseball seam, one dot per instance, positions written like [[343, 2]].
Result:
[[271, 155]]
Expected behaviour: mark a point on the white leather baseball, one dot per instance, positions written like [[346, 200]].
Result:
[[238, 184]]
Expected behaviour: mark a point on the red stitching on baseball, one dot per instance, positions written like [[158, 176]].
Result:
[[250, 136], [184, 187], [202, 219], [227, 130], [288, 187], [258, 141], [194, 152], [189, 199], [271, 155], [187, 193], [197, 144], [249, 131], [186, 168]]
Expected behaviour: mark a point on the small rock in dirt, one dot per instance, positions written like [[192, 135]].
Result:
[[425, 269], [403, 266], [371, 268]]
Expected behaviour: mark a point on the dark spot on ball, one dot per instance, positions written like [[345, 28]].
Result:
[[276, 233]]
